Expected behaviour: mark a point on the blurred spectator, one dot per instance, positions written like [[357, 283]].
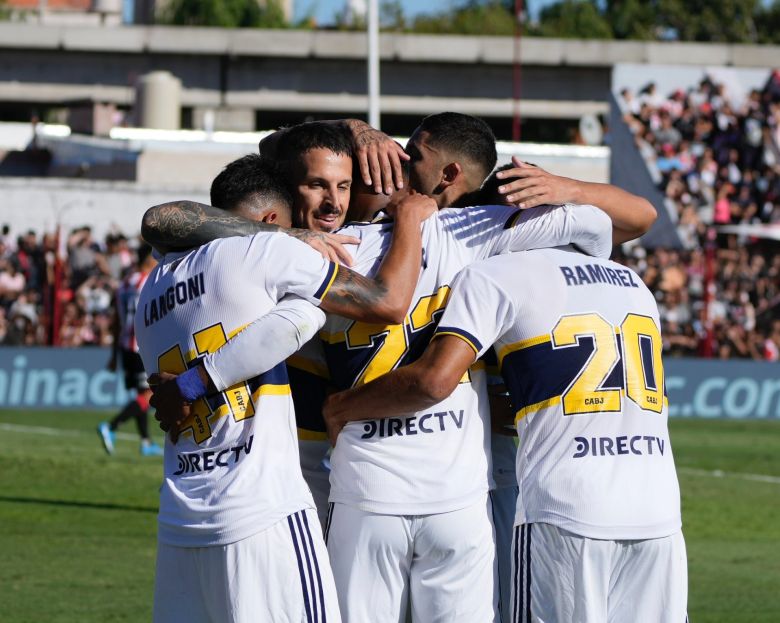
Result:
[[84, 257], [12, 281]]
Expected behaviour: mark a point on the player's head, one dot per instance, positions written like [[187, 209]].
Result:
[[451, 155], [488, 194], [253, 187], [365, 202], [318, 160]]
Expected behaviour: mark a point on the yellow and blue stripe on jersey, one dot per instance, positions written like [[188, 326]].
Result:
[[464, 335], [330, 277]]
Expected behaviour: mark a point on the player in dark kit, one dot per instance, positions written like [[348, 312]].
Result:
[[125, 349]]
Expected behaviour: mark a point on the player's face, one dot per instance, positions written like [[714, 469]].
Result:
[[425, 167], [321, 180]]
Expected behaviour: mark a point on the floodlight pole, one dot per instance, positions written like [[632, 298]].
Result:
[[516, 71], [373, 63]]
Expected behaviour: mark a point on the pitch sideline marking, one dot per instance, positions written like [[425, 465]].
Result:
[[56, 432], [717, 473]]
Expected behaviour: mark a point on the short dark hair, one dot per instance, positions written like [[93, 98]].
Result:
[[303, 137], [249, 175], [488, 193], [463, 136]]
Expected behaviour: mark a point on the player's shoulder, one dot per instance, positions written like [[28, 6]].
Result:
[[493, 214], [517, 262], [378, 227], [261, 244]]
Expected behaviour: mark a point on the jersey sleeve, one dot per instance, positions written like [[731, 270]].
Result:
[[292, 267], [584, 226], [264, 343], [475, 228], [478, 311]]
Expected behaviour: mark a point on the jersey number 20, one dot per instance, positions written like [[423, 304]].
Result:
[[643, 371]]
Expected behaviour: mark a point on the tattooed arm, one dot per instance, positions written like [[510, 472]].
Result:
[[386, 298], [182, 225]]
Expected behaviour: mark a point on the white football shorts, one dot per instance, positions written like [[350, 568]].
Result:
[[445, 563], [561, 577], [279, 575]]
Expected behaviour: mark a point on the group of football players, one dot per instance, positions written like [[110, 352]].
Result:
[[452, 409]]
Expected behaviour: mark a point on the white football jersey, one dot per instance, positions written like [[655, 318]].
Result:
[[436, 460], [579, 346], [234, 470]]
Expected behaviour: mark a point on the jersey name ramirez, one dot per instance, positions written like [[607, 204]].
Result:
[[425, 424]]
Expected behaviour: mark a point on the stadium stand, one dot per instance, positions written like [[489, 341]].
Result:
[[718, 165], [715, 161], [90, 273]]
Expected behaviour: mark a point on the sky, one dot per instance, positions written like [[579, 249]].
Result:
[[324, 10]]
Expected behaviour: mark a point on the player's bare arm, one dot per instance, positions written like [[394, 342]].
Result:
[[415, 387], [530, 186], [386, 297], [182, 225]]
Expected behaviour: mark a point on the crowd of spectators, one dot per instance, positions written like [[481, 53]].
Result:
[[715, 159], [718, 164], [89, 273]]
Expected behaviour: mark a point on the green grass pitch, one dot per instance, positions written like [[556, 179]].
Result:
[[77, 528]]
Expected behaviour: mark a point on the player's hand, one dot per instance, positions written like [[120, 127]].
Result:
[[379, 157], [536, 186], [412, 205], [330, 246], [333, 422], [171, 410]]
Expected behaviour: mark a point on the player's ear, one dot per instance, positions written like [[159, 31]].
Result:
[[450, 174], [270, 217]]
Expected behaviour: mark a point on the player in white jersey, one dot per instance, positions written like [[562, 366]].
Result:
[[597, 529], [234, 507], [526, 185]]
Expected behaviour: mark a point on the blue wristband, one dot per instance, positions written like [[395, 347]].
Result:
[[191, 385]]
